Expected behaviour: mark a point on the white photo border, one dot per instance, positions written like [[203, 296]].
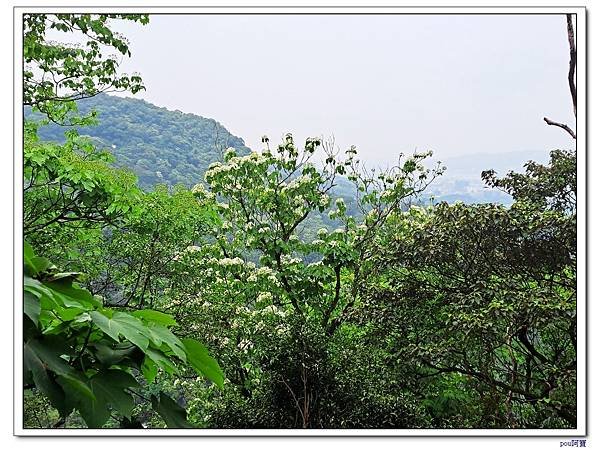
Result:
[[580, 14]]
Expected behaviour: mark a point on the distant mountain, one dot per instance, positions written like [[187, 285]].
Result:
[[462, 179], [466, 166], [159, 145], [163, 146]]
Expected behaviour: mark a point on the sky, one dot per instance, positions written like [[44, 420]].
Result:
[[454, 84]]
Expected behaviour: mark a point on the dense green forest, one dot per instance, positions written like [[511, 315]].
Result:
[[160, 146], [240, 289]]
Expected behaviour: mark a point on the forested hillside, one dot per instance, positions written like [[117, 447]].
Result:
[[162, 146], [274, 288], [159, 145]]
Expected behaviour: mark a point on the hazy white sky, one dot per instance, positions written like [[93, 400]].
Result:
[[454, 84]]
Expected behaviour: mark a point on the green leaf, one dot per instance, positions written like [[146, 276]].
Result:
[[202, 362], [156, 317], [161, 360], [149, 369], [49, 351], [31, 306], [122, 324], [113, 355], [28, 256], [76, 383], [108, 390], [173, 414], [73, 276], [68, 290], [42, 264], [35, 371], [159, 335]]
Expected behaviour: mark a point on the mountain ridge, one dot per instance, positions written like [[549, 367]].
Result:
[[158, 144], [170, 146]]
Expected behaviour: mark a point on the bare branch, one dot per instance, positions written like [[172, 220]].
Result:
[[571, 77], [561, 125], [572, 62]]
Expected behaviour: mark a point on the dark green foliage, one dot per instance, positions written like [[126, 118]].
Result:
[[159, 145], [489, 293], [82, 355]]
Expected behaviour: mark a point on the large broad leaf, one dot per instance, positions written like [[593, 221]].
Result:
[[76, 384], [122, 324], [70, 276], [161, 360], [31, 306], [35, 371], [202, 362], [69, 291], [109, 391], [60, 297], [156, 317], [173, 414], [43, 362], [37, 288], [34, 264], [149, 369], [109, 355], [49, 351], [28, 256], [160, 335]]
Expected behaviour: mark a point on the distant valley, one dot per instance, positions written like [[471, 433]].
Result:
[[163, 146]]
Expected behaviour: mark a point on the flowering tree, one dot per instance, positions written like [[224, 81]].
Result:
[[259, 281]]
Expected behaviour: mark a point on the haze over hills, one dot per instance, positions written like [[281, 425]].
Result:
[[159, 145], [462, 179], [164, 146]]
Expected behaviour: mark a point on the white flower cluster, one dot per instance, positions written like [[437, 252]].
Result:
[[264, 297], [263, 230], [264, 271], [242, 310], [387, 195], [288, 260], [200, 191], [229, 153], [252, 278], [231, 262], [272, 309]]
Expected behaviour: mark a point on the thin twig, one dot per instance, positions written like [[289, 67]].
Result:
[[561, 125]]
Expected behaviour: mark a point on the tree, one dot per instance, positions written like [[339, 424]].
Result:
[[58, 73], [144, 259], [570, 77], [72, 184], [488, 293], [262, 269]]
